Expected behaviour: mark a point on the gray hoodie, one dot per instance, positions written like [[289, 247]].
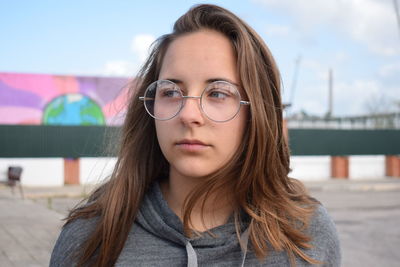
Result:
[[157, 239]]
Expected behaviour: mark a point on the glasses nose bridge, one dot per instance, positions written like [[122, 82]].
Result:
[[188, 97]]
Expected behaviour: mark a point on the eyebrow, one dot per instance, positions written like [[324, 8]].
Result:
[[208, 80]]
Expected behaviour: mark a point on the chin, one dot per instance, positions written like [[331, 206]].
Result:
[[191, 171], [194, 173]]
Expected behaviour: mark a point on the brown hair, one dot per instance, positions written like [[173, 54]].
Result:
[[278, 206]]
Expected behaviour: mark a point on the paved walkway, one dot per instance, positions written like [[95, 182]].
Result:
[[27, 231], [29, 227]]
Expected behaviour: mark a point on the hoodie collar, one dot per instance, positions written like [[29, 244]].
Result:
[[157, 218]]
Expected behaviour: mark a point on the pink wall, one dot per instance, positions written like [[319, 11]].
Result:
[[25, 97]]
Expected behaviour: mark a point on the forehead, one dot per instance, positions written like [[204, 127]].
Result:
[[200, 56]]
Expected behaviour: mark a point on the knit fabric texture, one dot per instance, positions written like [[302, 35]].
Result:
[[157, 239]]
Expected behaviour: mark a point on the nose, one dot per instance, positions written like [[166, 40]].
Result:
[[191, 112]]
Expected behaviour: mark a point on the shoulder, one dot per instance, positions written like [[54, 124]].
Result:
[[325, 239], [70, 240]]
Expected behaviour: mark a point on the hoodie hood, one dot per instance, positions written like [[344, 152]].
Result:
[[157, 218]]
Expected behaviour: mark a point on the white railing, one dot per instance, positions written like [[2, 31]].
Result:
[[377, 121]]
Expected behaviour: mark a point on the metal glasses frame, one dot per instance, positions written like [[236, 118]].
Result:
[[241, 102]]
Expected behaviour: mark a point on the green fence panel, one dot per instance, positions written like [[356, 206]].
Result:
[[57, 141], [95, 141], [344, 142]]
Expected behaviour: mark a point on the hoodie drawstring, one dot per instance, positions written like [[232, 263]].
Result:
[[192, 256], [244, 240]]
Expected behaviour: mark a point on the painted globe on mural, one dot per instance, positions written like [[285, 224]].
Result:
[[73, 109]]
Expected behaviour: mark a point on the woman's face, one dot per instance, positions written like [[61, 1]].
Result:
[[194, 145]]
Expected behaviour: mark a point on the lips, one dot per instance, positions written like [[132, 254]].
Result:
[[190, 142], [191, 145]]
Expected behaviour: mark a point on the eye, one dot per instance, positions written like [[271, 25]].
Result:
[[220, 91], [218, 94], [170, 93], [168, 90]]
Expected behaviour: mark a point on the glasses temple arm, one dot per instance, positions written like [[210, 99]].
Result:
[[142, 98]]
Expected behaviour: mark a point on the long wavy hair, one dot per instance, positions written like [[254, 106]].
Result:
[[278, 207]]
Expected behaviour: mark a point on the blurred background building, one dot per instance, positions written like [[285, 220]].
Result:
[[64, 130]]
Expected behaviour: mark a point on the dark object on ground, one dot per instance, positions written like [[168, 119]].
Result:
[[14, 178]]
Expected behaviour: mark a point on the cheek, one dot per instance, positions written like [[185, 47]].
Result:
[[240, 124], [231, 135], [163, 134]]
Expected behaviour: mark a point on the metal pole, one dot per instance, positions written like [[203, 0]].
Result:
[[330, 99], [396, 10], [294, 80]]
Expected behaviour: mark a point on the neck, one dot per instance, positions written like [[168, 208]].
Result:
[[217, 208]]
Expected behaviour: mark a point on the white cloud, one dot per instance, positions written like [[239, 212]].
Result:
[[141, 44], [316, 67], [320, 68], [354, 98], [120, 68], [349, 97], [357, 80], [371, 22], [390, 70], [277, 30], [140, 48]]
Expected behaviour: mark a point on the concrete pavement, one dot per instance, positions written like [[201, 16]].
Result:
[[29, 226], [368, 223], [367, 215], [27, 231]]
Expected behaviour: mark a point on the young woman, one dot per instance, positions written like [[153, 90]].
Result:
[[202, 171]]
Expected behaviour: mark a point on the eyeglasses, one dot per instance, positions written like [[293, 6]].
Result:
[[220, 101]]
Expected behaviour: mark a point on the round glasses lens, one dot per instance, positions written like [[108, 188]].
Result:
[[220, 101], [163, 99]]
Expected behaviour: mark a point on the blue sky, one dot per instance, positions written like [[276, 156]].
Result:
[[357, 39]]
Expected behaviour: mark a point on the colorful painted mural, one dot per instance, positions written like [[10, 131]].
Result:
[[36, 99]]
